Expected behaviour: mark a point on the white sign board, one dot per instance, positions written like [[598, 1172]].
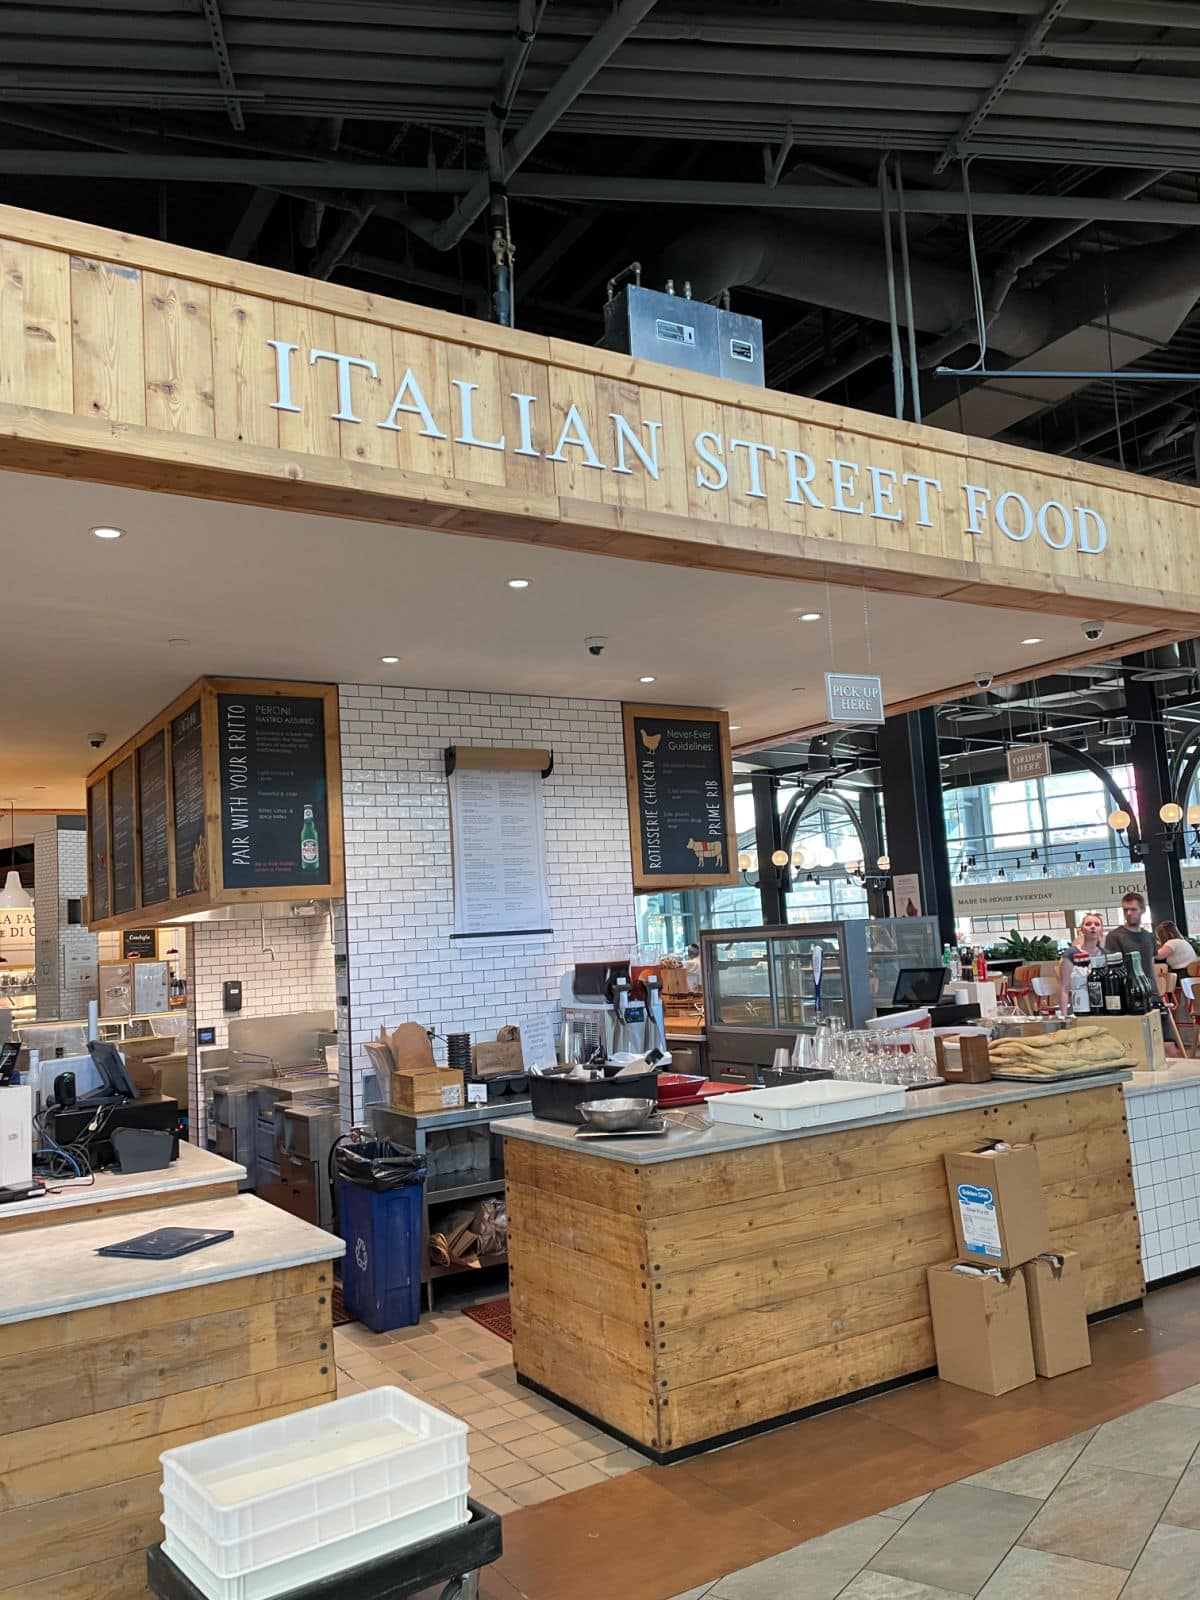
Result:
[[1082, 892], [16, 936], [1027, 761], [498, 835], [906, 892], [854, 697]]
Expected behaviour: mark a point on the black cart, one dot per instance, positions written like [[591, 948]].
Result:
[[452, 1560]]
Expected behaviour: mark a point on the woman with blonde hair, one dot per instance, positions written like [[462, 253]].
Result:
[[1088, 942]]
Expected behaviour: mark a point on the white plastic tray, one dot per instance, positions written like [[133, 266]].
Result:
[[261, 1494], [806, 1105], [312, 1565]]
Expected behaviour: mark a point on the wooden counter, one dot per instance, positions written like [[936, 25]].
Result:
[[678, 1295], [197, 1175], [105, 1363]]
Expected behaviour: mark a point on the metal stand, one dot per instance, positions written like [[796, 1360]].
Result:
[[451, 1559]]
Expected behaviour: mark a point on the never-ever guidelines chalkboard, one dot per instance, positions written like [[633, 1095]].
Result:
[[679, 779]]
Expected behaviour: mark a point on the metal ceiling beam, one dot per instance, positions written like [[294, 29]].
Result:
[[220, 50], [611, 34], [252, 171]]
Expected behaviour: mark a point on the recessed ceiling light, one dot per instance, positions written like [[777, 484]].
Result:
[[810, 616], [109, 533], [1031, 641], [734, 726], [389, 661], [645, 680], [518, 583]]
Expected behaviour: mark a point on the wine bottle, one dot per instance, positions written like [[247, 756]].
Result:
[[1095, 984], [1143, 992], [1111, 978]]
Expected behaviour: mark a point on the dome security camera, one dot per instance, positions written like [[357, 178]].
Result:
[[597, 645], [1092, 630], [96, 740], [984, 680]]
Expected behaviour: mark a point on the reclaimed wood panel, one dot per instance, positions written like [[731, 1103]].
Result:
[[87, 1210], [753, 506], [108, 341], [730, 1289], [79, 1473]]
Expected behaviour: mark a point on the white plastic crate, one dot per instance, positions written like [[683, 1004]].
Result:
[[261, 1494], [806, 1105], [262, 1583]]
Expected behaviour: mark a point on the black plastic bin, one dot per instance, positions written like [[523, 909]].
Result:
[[557, 1098]]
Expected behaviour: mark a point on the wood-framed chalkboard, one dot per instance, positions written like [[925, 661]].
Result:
[[679, 780], [99, 885], [153, 835], [233, 793], [123, 821]]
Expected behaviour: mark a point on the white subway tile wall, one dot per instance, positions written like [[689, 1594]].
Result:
[[1164, 1134], [60, 867], [293, 973], [403, 964]]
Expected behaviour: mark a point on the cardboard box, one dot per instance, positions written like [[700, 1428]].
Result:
[[998, 1206], [1057, 1315], [421, 1093], [981, 1329], [149, 1047]]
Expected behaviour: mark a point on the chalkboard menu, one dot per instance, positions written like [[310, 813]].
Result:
[[152, 813], [187, 787], [274, 803], [680, 798], [101, 905], [124, 838]]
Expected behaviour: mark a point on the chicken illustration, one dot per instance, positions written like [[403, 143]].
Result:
[[651, 740]]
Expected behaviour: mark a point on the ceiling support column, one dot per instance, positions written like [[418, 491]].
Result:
[[912, 804]]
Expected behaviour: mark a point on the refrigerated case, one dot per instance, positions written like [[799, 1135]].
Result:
[[760, 988]]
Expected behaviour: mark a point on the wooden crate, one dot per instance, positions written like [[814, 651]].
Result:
[[94, 1397], [719, 1292]]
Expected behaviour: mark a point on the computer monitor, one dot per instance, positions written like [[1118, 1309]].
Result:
[[116, 1083], [920, 986]]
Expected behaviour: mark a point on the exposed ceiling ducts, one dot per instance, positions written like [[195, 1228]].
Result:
[[1103, 313]]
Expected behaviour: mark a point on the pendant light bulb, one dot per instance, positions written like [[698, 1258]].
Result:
[[1193, 816], [884, 863], [13, 897], [1118, 820], [1170, 813], [779, 858]]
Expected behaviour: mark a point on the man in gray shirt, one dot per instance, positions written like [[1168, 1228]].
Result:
[[1132, 936]]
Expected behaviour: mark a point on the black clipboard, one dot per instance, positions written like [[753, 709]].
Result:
[[164, 1244]]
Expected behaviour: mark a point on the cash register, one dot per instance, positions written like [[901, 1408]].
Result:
[[922, 987], [92, 1120]]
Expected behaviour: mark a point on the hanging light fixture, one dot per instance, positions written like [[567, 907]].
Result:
[[1118, 820], [779, 858], [13, 897], [884, 863], [1193, 816], [1171, 814]]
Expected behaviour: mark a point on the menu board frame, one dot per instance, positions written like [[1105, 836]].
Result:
[[646, 880], [212, 892], [134, 887], [99, 910], [145, 750]]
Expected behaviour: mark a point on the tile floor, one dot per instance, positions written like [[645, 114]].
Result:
[[523, 1450], [1112, 1511]]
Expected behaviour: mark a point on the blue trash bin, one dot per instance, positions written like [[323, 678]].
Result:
[[384, 1234]]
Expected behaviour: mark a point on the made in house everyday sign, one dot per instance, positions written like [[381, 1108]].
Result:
[[750, 468]]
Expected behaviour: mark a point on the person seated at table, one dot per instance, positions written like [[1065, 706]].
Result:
[[1175, 949]]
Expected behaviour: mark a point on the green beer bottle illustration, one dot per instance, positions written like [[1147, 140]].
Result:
[[310, 855]]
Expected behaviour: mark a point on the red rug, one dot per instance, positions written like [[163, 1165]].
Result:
[[494, 1315]]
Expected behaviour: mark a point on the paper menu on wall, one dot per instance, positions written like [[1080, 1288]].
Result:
[[498, 837]]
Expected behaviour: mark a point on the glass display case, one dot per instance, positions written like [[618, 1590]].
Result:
[[761, 984]]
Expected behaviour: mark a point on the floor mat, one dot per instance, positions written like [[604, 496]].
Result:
[[340, 1315], [494, 1315]]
